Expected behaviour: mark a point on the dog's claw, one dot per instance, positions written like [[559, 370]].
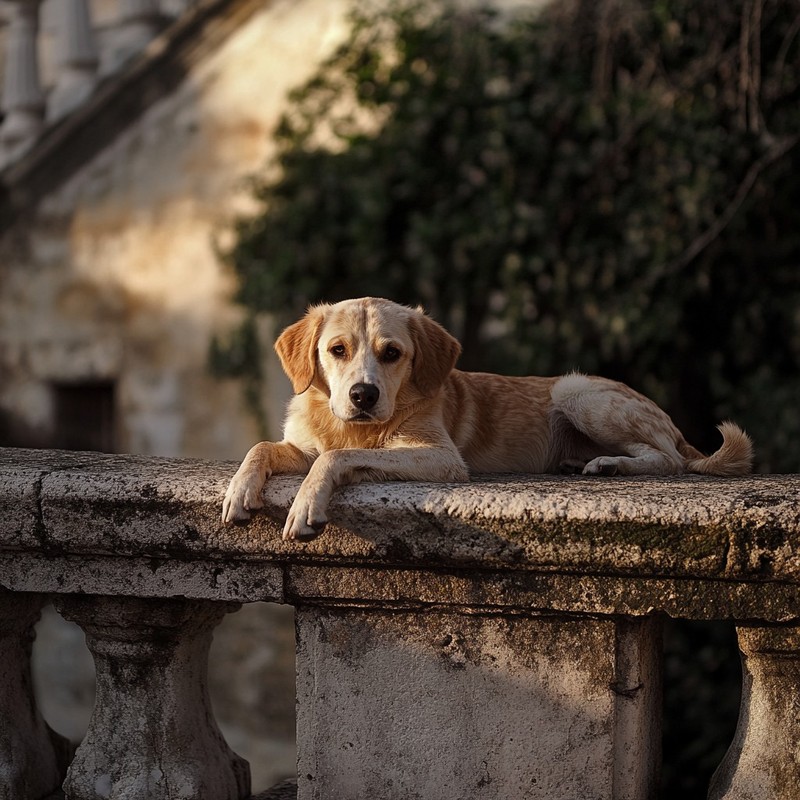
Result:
[[302, 523], [228, 518], [294, 530], [310, 533]]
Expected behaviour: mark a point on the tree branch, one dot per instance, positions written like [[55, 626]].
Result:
[[779, 149]]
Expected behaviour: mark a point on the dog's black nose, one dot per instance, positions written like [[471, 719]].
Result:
[[364, 395]]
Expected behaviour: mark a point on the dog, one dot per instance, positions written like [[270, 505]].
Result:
[[378, 398]]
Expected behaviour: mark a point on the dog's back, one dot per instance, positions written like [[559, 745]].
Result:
[[499, 423], [533, 424]]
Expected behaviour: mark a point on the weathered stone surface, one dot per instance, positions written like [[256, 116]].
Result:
[[21, 473], [157, 576], [688, 546], [424, 705], [430, 615], [83, 509], [762, 762], [152, 735], [544, 591]]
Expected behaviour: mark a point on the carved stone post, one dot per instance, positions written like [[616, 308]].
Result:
[[23, 101], [763, 762], [33, 759], [152, 735], [77, 58], [137, 23]]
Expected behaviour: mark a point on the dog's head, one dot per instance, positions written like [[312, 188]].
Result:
[[368, 356]]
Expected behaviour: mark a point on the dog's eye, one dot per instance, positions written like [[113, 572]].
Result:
[[338, 351], [391, 353]]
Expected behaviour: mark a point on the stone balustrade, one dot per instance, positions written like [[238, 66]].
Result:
[[27, 105], [498, 639]]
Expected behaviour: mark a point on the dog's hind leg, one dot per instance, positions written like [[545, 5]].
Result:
[[642, 460], [630, 434]]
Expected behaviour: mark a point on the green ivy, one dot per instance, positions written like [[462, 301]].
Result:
[[607, 186]]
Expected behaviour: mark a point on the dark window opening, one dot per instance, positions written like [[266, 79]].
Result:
[[84, 416]]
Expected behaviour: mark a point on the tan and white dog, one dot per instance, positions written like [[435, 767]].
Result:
[[377, 398]]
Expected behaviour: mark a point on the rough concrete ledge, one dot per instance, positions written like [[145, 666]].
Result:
[[689, 546]]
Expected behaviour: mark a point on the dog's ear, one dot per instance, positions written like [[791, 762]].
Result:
[[297, 348], [435, 354]]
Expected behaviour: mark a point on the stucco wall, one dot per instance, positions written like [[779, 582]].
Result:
[[114, 276]]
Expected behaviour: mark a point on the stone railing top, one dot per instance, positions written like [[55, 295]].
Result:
[[690, 546]]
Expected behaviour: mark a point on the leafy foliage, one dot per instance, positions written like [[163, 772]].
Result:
[[605, 186]]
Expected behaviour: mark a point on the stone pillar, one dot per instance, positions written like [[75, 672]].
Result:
[[138, 21], [152, 735], [444, 705], [23, 100], [76, 58], [33, 759], [763, 762]]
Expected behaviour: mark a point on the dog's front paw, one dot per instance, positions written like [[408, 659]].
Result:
[[305, 522], [242, 497]]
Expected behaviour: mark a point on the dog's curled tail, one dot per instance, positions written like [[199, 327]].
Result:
[[735, 457]]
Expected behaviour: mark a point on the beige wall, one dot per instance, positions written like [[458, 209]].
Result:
[[114, 276]]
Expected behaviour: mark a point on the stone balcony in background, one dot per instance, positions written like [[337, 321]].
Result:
[[497, 639]]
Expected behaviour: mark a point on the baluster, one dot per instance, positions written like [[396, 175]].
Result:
[[152, 735], [23, 100], [33, 759], [76, 59], [763, 762], [137, 23]]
